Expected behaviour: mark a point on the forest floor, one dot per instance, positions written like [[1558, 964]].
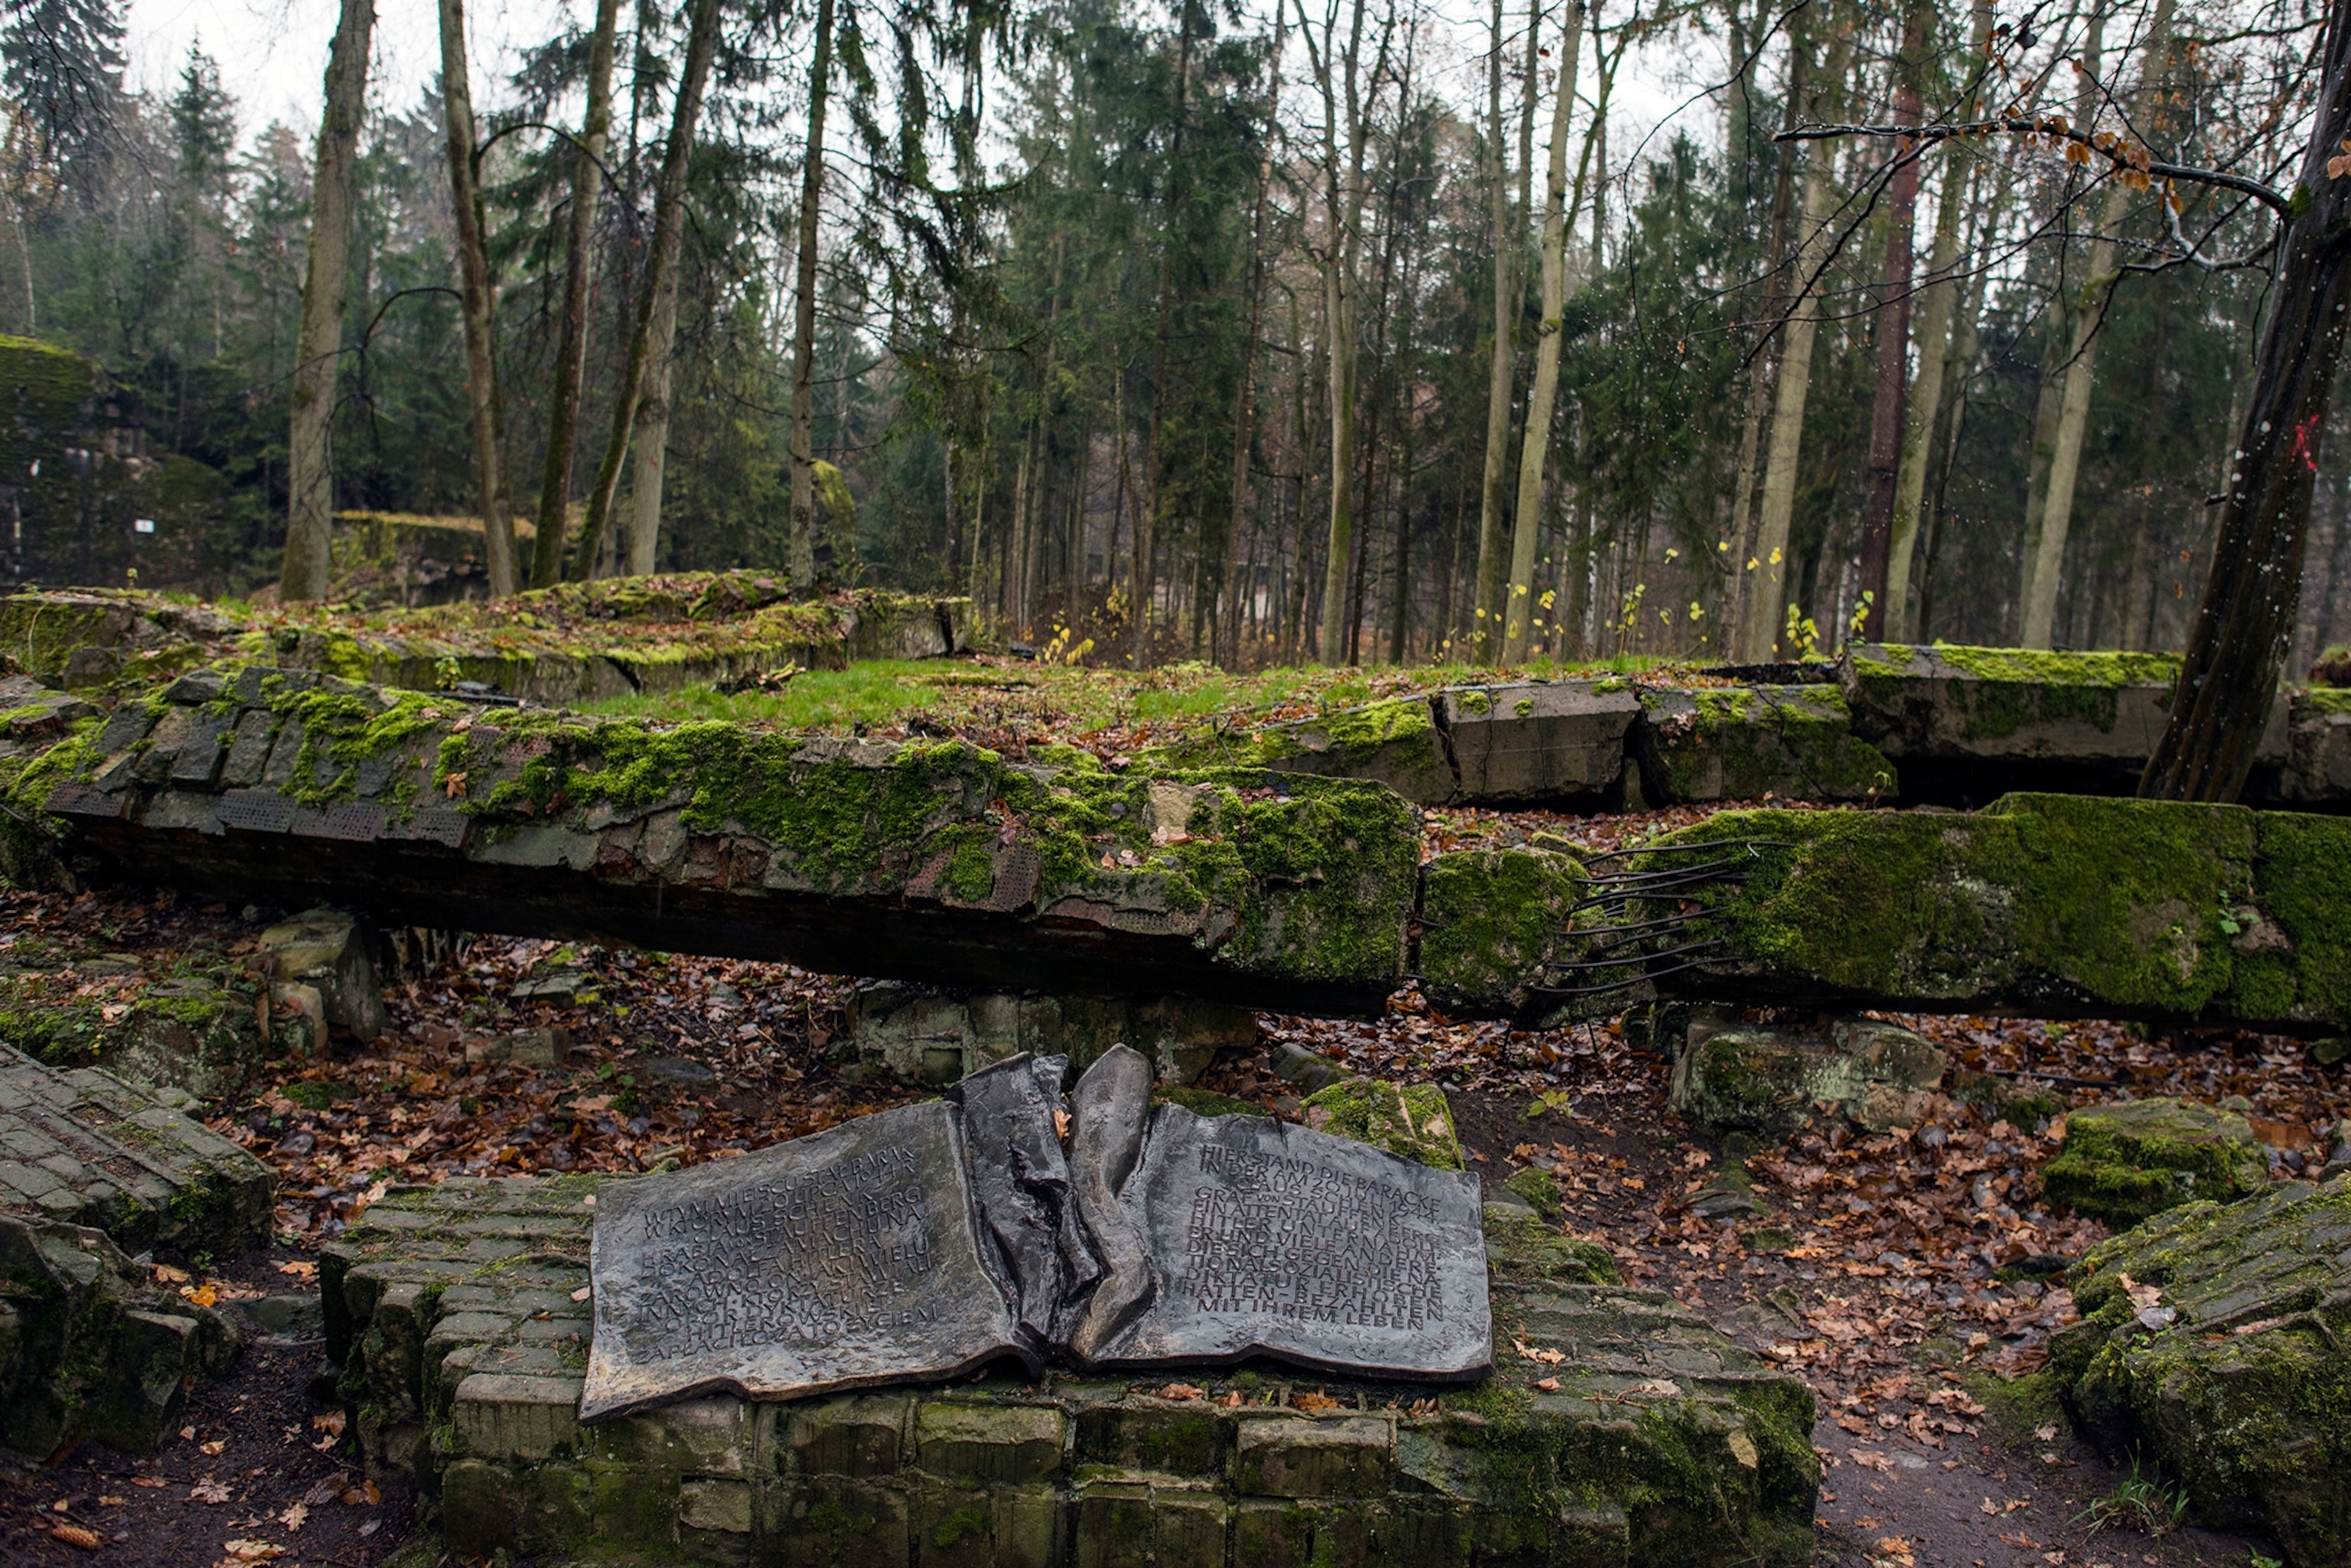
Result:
[[1908, 1277]]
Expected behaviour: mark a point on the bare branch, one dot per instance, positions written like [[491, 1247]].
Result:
[[2114, 150]]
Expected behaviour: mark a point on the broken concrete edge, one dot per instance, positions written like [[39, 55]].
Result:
[[928, 1035], [1245, 884], [2091, 719], [547, 645], [90, 1348], [2121, 1164], [2212, 1344], [2047, 905], [454, 1313]]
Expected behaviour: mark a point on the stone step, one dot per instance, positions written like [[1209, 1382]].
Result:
[[84, 1148]]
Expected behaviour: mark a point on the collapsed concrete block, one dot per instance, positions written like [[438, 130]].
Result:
[[1539, 741], [917, 1034], [1395, 742], [2215, 1343], [90, 1348], [2121, 1164], [2318, 748], [2091, 711], [333, 951], [1737, 1077], [1741, 743]]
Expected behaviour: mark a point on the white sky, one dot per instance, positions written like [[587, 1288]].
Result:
[[273, 53]]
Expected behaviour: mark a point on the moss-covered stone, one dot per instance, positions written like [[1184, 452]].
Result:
[[95, 1350], [1761, 1078], [2008, 703], [1741, 743], [2121, 1164], [1394, 742], [2229, 1367], [1410, 1120], [1491, 922], [2056, 905]]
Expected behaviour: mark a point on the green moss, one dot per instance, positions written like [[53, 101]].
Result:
[[1410, 1120], [2241, 1394], [1491, 921], [2122, 1163], [2116, 904], [2001, 691], [1204, 1101], [1541, 1190], [2019, 1408]]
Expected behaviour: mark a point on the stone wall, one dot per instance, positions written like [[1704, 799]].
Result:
[[460, 1316], [1941, 725]]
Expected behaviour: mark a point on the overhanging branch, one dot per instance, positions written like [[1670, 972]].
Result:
[[2118, 151]]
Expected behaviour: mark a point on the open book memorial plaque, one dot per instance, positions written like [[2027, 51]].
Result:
[[921, 1243]]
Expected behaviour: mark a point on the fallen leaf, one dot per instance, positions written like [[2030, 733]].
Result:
[[247, 1551], [203, 1295], [149, 1481], [581, 1294], [208, 1490], [1547, 1385], [300, 1268], [331, 1422], [214, 1446], [294, 1515], [1548, 1356], [323, 1493], [167, 1275], [109, 1503], [1312, 1403], [1871, 1460]]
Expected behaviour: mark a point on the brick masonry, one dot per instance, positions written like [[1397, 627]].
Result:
[[460, 1316]]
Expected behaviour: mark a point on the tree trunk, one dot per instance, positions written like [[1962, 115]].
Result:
[[1766, 600], [650, 440], [1343, 204], [1245, 402], [1887, 412], [1534, 446], [2229, 678], [1763, 605], [1146, 515], [319, 347], [1761, 374], [669, 226], [1510, 300], [803, 540], [1936, 330], [1937, 301], [478, 301], [2039, 620], [572, 348]]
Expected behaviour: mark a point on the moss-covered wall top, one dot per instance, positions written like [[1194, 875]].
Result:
[[1304, 879], [2049, 901]]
